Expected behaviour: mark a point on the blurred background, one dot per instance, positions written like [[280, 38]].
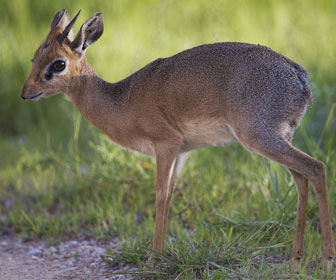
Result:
[[137, 32], [60, 176]]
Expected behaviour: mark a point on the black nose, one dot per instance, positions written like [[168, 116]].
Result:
[[24, 98]]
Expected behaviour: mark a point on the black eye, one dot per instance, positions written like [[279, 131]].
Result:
[[58, 66]]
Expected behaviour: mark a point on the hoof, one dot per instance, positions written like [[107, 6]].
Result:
[[295, 264], [327, 263], [153, 259]]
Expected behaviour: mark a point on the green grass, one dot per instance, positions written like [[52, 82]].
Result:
[[233, 213]]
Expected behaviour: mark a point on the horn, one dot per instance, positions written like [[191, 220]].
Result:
[[69, 26]]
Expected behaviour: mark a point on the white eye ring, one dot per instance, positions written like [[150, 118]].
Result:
[[58, 66], [53, 68]]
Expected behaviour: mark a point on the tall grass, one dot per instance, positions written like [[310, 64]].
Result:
[[233, 213]]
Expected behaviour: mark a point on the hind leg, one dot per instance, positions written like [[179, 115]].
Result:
[[178, 165], [298, 246], [280, 150]]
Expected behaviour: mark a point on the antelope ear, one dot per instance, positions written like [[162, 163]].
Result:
[[68, 31], [89, 33], [62, 18], [62, 25]]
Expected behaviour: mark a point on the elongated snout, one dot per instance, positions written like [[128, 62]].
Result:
[[25, 91], [29, 92], [23, 96]]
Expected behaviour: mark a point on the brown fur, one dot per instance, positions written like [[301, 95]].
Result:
[[205, 96]]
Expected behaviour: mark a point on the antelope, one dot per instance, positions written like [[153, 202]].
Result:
[[205, 96]]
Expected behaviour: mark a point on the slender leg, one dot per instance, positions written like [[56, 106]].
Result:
[[298, 247], [165, 159], [178, 165], [321, 192], [280, 150]]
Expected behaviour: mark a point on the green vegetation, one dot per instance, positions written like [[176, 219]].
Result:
[[233, 213]]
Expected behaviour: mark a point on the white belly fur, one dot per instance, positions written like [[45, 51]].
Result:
[[204, 133], [197, 134]]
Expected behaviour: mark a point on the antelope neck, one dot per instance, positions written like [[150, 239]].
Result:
[[98, 100]]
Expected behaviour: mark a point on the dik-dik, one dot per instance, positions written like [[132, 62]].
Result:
[[209, 95]]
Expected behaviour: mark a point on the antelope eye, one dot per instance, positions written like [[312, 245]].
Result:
[[58, 66]]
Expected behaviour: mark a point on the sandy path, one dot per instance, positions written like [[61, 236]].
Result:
[[75, 259], [24, 268]]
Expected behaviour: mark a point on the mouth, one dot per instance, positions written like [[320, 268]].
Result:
[[36, 97]]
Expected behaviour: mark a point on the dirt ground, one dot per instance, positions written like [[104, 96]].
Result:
[[74, 259]]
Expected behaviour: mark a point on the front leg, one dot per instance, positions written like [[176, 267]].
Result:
[[165, 159]]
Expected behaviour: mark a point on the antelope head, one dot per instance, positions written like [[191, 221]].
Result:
[[60, 59]]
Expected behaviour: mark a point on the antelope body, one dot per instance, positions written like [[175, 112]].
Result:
[[205, 96]]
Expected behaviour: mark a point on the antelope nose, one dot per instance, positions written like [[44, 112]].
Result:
[[25, 89]]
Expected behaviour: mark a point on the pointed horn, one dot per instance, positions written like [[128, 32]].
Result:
[[69, 26]]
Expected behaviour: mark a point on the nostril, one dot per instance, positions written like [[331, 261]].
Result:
[[24, 98]]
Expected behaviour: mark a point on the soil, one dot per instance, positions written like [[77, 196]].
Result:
[[74, 259]]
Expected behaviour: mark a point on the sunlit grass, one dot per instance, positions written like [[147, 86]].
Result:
[[233, 213]]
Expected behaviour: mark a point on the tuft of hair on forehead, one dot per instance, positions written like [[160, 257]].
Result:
[[54, 48], [43, 49], [61, 34], [61, 28], [53, 36]]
